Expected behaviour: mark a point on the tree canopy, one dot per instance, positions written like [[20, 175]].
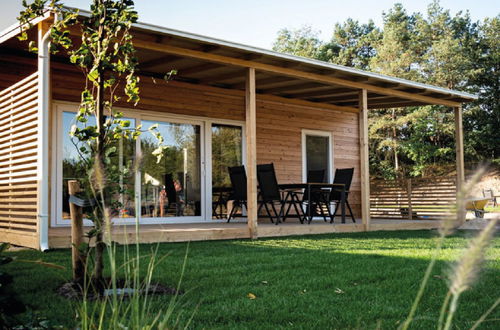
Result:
[[435, 48]]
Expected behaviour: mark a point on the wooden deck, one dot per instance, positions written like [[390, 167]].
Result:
[[60, 237]]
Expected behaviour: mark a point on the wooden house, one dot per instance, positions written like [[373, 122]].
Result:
[[263, 106]]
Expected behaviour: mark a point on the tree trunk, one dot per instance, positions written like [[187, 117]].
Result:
[[395, 137], [98, 166]]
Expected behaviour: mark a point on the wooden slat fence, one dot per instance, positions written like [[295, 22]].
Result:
[[18, 163], [420, 198]]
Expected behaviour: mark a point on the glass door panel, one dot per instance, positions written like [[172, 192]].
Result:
[[172, 186], [227, 151], [318, 154], [73, 168]]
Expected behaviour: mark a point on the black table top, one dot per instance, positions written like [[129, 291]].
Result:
[[311, 184]]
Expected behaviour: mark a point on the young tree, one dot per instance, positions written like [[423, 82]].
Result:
[[482, 118], [352, 44], [106, 55], [301, 42]]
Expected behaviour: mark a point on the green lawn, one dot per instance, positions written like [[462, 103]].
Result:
[[357, 280], [493, 209]]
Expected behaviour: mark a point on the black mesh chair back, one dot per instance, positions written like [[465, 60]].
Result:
[[343, 176], [238, 179], [268, 184], [316, 176], [170, 188]]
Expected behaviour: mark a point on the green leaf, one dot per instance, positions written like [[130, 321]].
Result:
[[93, 75]]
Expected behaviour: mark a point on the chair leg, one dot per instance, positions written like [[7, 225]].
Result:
[[298, 207], [328, 211], [335, 212], [287, 212], [350, 211], [322, 209], [276, 213], [231, 214], [259, 209], [281, 213], [268, 212]]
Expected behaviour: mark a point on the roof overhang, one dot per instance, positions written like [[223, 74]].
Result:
[[204, 60]]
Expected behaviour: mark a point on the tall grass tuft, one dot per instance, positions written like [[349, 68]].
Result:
[[127, 302], [467, 269], [468, 265]]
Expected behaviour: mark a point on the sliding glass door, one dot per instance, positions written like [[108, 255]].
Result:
[[190, 183], [227, 151], [172, 187]]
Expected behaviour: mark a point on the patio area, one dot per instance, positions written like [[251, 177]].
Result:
[[60, 237]]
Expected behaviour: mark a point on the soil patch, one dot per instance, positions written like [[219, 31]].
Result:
[[73, 290]]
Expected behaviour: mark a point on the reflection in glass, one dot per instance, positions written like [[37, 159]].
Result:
[[74, 167], [172, 187], [226, 152], [317, 154]]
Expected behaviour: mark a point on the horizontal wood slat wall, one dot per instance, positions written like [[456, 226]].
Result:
[[18, 163], [421, 198], [279, 121]]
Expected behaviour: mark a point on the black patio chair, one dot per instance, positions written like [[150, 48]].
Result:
[[342, 176], [302, 197], [315, 176], [238, 179], [271, 195]]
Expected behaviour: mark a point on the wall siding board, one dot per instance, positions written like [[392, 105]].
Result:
[[18, 162]]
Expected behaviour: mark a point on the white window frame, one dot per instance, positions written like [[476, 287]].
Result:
[[205, 167], [208, 138], [329, 134], [158, 117]]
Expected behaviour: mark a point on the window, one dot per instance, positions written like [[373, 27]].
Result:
[[317, 153]]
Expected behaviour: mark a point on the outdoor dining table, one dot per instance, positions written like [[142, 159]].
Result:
[[326, 186]]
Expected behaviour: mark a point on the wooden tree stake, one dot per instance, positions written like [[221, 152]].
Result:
[[78, 258]]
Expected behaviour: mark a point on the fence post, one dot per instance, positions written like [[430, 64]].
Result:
[[410, 208], [78, 259]]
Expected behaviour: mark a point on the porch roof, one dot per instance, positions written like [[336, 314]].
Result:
[[204, 60]]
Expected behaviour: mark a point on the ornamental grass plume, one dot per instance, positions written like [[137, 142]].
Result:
[[457, 216], [467, 269]]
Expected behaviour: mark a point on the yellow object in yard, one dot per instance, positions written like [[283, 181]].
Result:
[[477, 205]]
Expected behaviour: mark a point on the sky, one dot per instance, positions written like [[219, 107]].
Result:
[[257, 22]]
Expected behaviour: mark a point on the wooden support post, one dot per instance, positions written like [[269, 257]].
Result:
[[251, 152], [78, 259], [459, 150], [408, 191], [459, 147], [364, 157]]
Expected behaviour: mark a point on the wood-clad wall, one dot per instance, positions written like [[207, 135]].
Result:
[[13, 68], [18, 162], [279, 138], [279, 122]]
